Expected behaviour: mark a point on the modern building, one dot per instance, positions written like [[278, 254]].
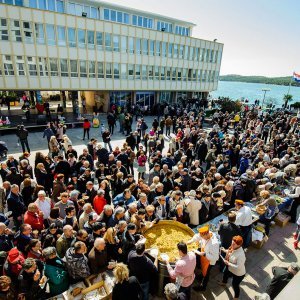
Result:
[[108, 53]]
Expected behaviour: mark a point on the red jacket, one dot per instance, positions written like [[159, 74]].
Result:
[[35, 220], [86, 125], [99, 203]]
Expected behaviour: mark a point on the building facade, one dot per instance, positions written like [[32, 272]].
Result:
[[105, 51]]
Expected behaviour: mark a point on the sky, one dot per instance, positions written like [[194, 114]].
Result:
[[260, 37]]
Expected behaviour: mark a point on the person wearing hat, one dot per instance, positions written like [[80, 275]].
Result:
[[193, 207], [281, 277], [13, 264], [235, 264], [244, 220], [208, 252]]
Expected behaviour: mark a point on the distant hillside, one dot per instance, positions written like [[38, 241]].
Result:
[[260, 79]]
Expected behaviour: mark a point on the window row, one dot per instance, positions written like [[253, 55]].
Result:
[[88, 11], [17, 31], [42, 66]]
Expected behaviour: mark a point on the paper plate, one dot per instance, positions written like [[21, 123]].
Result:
[[164, 256]]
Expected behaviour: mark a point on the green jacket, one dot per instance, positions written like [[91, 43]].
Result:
[[58, 277]]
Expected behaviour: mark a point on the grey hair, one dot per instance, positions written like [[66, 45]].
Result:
[[98, 241], [87, 206], [119, 210], [42, 192], [24, 162], [122, 222], [132, 204], [49, 251], [74, 193], [107, 206], [171, 291], [28, 263]]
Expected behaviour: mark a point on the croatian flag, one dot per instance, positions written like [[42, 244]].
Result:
[[296, 77]]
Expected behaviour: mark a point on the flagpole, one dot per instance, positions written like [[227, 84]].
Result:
[[289, 86]]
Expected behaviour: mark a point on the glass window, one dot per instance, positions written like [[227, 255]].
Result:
[[144, 72], [216, 56], [150, 23], [151, 46], [28, 32], [81, 38], [32, 69], [4, 30], [94, 13], [174, 74], [73, 68], [207, 55], [87, 9], [61, 35], [71, 8], [140, 21], [163, 49], [170, 51], [43, 66], [60, 6], [158, 25], [124, 44], [82, 68], [51, 5], [138, 45], [212, 53], [126, 18], [42, 4], [64, 72], [71, 37], [106, 14], [16, 31], [20, 66], [116, 42], [134, 20], [33, 3], [116, 71], [184, 74], [8, 2], [39, 33], [91, 39], [196, 58], [156, 73], [92, 69], [50, 34], [162, 73], [204, 75], [100, 69], [131, 45], [150, 72], [130, 71], [191, 53], [157, 46], [119, 17], [123, 71], [175, 54], [145, 46], [179, 73], [8, 65], [181, 51], [199, 75], [107, 41], [186, 52], [99, 40], [194, 74], [108, 70], [145, 22], [18, 2], [113, 15], [137, 71], [168, 73], [78, 9], [53, 66]]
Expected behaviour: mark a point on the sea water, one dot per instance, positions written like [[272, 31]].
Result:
[[252, 91]]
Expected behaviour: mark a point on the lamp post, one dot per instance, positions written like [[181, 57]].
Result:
[[265, 90]]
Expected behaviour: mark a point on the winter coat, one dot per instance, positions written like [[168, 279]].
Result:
[[57, 275], [35, 220], [77, 264], [15, 204]]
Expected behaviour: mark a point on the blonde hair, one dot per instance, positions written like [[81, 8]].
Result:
[[40, 166], [264, 194], [121, 273], [109, 235]]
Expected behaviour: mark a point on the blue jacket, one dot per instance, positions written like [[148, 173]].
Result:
[[16, 205], [121, 201]]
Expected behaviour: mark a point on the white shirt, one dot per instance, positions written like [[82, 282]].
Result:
[[44, 206], [211, 247], [193, 209], [244, 216], [237, 262], [296, 194]]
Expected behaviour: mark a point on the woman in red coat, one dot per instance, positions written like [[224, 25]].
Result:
[[86, 128], [34, 217], [99, 201]]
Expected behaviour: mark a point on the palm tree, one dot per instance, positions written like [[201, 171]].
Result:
[[287, 98]]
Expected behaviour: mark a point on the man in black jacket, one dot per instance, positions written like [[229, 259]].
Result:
[[282, 276], [22, 134]]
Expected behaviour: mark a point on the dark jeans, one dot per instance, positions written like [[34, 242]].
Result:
[[186, 291], [86, 131], [130, 169], [168, 130], [236, 281], [111, 129], [23, 144], [246, 234], [145, 287]]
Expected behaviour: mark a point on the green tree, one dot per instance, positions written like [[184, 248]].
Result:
[[287, 98]]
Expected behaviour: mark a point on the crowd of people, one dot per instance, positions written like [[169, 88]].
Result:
[[76, 214]]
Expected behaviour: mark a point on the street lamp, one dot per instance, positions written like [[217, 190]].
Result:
[[265, 90]]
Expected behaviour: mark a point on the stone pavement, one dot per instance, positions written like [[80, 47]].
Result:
[[278, 251]]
